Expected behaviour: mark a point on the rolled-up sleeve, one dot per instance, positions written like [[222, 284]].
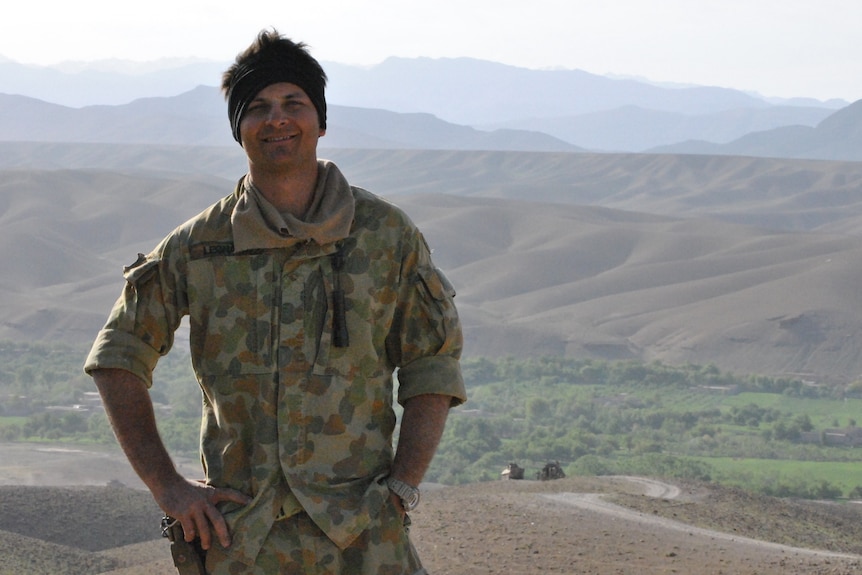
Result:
[[140, 328], [427, 338]]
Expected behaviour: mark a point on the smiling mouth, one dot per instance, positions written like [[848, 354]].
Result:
[[277, 139]]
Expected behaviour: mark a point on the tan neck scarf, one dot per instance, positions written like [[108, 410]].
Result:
[[258, 224]]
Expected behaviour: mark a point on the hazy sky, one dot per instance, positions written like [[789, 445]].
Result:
[[775, 47]]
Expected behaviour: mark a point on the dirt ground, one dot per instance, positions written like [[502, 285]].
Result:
[[557, 527], [507, 528]]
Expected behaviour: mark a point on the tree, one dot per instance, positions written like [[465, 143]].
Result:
[[538, 411], [803, 422]]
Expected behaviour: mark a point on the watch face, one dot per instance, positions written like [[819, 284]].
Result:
[[411, 502], [409, 495]]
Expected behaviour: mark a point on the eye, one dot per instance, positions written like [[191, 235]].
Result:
[[256, 107]]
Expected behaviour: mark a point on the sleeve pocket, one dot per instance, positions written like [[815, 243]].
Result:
[[436, 283], [140, 271]]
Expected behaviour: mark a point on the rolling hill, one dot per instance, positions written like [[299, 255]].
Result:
[[764, 192], [749, 264]]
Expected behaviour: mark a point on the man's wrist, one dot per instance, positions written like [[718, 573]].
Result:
[[408, 494]]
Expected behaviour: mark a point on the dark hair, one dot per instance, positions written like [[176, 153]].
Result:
[[272, 58]]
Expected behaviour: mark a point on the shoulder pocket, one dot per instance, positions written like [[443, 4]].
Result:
[[140, 271], [436, 283]]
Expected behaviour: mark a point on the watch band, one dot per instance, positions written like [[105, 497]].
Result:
[[409, 495]]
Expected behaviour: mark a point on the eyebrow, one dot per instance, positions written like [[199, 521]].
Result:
[[293, 94]]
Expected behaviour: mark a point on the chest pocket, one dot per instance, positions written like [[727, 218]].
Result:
[[363, 315], [233, 303]]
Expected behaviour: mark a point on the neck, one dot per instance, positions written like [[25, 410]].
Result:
[[291, 193]]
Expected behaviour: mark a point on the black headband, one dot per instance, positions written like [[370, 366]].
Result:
[[251, 79]]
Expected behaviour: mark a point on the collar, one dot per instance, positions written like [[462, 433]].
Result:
[[257, 224]]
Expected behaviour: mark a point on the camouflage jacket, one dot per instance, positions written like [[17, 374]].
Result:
[[289, 417]]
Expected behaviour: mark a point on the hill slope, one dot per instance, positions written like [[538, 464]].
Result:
[[764, 192], [594, 282], [533, 278]]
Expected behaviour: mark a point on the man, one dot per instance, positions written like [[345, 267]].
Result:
[[304, 294]]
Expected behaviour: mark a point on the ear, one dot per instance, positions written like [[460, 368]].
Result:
[[321, 133]]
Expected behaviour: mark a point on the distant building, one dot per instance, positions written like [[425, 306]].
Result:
[[846, 437]]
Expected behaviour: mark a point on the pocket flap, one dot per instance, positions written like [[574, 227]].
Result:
[[437, 284], [141, 270]]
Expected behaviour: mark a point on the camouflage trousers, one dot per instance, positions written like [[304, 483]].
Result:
[[296, 546]]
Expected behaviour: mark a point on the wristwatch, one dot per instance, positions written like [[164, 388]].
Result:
[[409, 495]]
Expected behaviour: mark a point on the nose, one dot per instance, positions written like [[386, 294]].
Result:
[[277, 116]]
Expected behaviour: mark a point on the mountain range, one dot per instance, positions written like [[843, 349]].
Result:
[[421, 103]]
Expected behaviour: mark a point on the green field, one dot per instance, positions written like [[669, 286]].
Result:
[[745, 472], [823, 412], [12, 420]]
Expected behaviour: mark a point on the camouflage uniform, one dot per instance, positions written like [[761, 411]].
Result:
[[299, 424]]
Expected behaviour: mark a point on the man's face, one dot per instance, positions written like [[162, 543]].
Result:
[[280, 129]]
